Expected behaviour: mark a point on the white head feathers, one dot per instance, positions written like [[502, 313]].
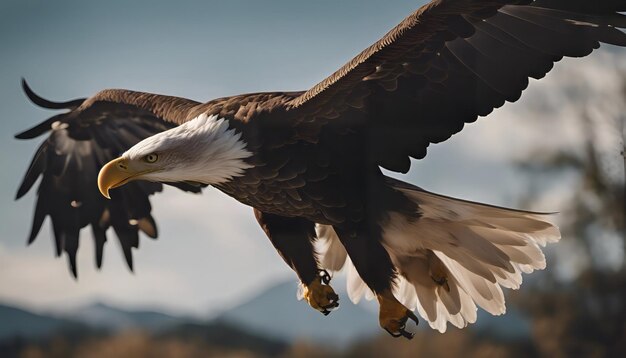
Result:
[[203, 150]]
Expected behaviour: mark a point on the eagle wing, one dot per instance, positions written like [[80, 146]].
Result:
[[79, 143], [450, 62]]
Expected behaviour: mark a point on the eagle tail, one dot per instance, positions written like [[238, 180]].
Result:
[[456, 256]]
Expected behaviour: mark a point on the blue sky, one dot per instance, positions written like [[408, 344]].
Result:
[[210, 253]]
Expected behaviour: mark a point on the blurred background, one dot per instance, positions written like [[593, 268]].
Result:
[[212, 284]]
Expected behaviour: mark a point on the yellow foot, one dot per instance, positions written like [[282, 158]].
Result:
[[393, 315], [320, 295]]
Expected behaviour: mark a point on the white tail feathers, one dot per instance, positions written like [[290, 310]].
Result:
[[455, 257]]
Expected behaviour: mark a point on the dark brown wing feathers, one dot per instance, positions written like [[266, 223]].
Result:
[[81, 141], [450, 62], [171, 109]]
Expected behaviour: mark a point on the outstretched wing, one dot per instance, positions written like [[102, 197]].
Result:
[[79, 143], [450, 62]]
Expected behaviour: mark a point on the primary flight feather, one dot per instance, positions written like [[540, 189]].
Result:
[[309, 162]]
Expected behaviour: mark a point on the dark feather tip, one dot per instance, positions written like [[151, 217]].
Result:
[[44, 103], [99, 255], [129, 260], [72, 265], [37, 130]]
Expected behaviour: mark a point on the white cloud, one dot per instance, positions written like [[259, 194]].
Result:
[[37, 280]]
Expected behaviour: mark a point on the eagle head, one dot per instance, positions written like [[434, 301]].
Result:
[[204, 150]]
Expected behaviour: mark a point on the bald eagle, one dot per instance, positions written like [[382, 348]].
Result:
[[309, 163]]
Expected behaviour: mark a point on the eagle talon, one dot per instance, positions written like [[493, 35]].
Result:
[[325, 276], [406, 334], [394, 335], [393, 316], [320, 295], [402, 333]]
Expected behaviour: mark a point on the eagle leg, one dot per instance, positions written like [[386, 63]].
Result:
[[375, 267], [393, 316], [293, 239], [320, 295]]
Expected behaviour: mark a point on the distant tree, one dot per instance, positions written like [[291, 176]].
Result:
[[585, 315]]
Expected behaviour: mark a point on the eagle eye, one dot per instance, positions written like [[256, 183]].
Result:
[[151, 158]]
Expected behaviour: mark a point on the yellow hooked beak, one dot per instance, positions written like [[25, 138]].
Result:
[[115, 173]]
